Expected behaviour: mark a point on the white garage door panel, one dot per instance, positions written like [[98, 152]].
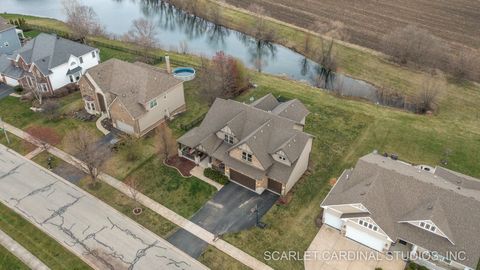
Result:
[[10, 81], [125, 127], [332, 220], [365, 238]]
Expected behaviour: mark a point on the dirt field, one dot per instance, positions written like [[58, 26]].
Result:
[[457, 21]]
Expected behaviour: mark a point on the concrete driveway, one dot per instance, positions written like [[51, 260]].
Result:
[[92, 230], [325, 249], [5, 90], [230, 210]]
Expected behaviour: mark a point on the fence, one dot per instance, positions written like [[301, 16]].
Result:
[[193, 123]]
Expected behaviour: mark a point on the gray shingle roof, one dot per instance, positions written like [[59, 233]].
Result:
[[133, 84], [8, 69], [292, 109], [395, 192], [264, 132], [49, 51]]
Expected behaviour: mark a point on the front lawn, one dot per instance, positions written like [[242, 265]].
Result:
[[9, 261], [37, 242], [20, 146], [166, 186]]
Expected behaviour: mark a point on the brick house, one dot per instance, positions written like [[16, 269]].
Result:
[[137, 97], [48, 63], [260, 146]]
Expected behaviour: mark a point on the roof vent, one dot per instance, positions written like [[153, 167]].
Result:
[[459, 188], [430, 207], [363, 193]]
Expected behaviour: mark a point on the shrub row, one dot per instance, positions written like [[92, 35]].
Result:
[[216, 176]]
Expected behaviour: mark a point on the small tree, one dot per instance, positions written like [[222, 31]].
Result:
[[83, 144], [165, 142], [50, 109], [143, 33], [325, 71], [428, 95], [133, 187], [81, 19]]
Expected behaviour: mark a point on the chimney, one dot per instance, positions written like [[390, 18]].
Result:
[[167, 62]]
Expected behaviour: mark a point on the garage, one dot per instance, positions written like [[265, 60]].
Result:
[[125, 127], [332, 218], [242, 179], [274, 186], [366, 238]]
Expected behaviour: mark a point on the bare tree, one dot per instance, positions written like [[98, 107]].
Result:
[[332, 29], [165, 142], [81, 19], [50, 109], [215, 14], [133, 187], [427, 98], [83, 144], [415, 45], [261, 28], [143, 33], [465, 65], [324, 74]]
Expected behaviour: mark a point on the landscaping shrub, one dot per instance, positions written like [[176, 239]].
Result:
[[216, 176], [18, 89], [414, 266]]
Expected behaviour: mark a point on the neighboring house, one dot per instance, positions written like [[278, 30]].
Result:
[[259, 146], [136, 97], [9, 40], [390, 205], [47, 63]]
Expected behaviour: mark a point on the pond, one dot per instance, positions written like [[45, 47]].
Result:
[[181, 31]]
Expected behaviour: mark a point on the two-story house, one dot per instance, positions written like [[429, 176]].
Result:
[[9, 40], [47, 63], [431, 217], [137, 97], [260, 146]]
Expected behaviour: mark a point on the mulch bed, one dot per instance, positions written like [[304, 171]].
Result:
[[182, 164]]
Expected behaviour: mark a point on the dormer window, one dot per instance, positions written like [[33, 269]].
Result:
[[153, 104], [81, 60], [427, 226], [247, 156], [283, 158], [228, 138]]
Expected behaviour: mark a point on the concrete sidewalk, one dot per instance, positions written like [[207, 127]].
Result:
[[197, 171], [173, 217], [21, 253]]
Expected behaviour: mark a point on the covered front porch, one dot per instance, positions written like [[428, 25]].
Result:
[[200, 158]]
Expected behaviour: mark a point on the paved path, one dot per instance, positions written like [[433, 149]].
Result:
[[99, 124], [35, 152], [20, 252], [197, 171], [103, 237], [173, 217]]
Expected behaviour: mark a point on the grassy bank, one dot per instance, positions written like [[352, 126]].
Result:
[[9, 261], [38, 243]]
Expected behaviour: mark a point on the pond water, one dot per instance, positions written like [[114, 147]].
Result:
[[180, 30]]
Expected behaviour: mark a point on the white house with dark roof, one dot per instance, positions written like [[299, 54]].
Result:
[[260, 146], [389, 205], [47, 63]]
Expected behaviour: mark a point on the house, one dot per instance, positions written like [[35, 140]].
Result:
[[260, 146], [137, 97], [9, 40], [48, 63], [389, 205]]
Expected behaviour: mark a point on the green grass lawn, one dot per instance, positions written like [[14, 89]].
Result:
[[9, 261], [166, 186], [20, 146], [38, 243]]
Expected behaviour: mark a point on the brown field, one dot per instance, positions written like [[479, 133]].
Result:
[[457, 21]]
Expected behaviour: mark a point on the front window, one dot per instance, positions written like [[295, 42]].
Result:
[[72, 79], [153, 104], [228, 138], [93, 54], [43, 87], [30, 81], [247, 156], [81, 60]]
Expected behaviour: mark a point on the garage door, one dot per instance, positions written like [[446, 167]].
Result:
[[365, 238], [125, 127], [242, 179], [332, 220], [275, 186]]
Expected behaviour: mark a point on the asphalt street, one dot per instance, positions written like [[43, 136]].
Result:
[[88, 227]]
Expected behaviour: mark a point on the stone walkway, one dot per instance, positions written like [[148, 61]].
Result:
[[34, 153], [173, 217], [99, 124], [198, 172], [21, 253]]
